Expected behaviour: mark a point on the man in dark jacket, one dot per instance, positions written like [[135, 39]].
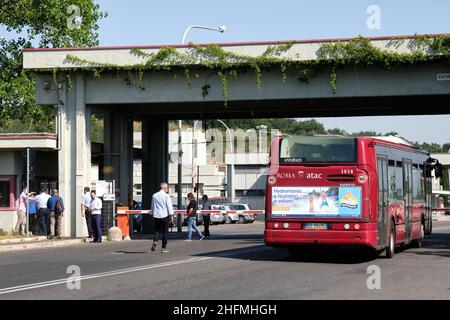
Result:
[[56, 207]]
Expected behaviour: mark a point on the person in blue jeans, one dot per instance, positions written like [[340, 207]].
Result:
[[32, 211], [192, 217]]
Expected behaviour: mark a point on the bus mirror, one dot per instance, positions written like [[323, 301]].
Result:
[[438, 170]]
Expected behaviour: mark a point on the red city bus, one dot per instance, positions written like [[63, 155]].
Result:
[[333, 190]]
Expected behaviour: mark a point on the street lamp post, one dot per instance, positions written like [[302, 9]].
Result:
[[220, 29], [230, 167]]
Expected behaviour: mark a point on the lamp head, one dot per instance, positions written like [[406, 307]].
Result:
[[222, 29]]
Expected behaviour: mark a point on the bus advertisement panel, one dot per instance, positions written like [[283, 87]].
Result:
[[316, 202]]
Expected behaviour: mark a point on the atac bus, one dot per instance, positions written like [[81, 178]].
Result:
[[345, 191]]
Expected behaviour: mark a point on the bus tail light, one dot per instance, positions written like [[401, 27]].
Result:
[[357, 226], [275, 225]]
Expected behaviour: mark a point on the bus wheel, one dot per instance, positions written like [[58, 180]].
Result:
[[390, 250], [417, 243]]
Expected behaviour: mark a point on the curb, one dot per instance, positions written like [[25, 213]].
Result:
[[25, 239], [40, 244]]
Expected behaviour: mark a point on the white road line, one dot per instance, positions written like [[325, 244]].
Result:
[[98, 275]]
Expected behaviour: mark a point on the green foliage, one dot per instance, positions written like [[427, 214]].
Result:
[[446, 147], [287, 125], [226, 65], [44, 22], [430, 147], [97, 126]]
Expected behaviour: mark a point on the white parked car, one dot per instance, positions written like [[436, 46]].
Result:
[[216, 218], [242, 216], [228, 217]]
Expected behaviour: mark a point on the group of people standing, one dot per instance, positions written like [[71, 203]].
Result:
[[45, 213], [91, 210], [163, 212]]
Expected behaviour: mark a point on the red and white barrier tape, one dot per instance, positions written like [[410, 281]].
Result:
[[198, 211]]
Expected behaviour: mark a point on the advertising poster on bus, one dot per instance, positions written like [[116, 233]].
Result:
[[319, 202]]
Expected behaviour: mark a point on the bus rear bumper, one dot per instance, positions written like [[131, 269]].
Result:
[[287, 238]]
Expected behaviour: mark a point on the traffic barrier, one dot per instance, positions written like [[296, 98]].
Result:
[[123, 216], [127, 212]]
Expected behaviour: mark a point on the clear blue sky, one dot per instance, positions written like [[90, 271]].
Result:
[[137, 22]]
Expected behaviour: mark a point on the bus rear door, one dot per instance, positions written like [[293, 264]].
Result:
[[382, 200]]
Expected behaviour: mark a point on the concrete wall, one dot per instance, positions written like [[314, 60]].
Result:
[[8, 220]]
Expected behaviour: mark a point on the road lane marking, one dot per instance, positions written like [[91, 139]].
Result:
[[98, 275]]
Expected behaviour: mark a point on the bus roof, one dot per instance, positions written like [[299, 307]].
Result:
[[396, 142]]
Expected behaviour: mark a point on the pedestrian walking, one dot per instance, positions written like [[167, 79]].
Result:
[[192, 218], [55, 205], [206, 205], [42, 212], [95, 210], [21, 211], [86, 210], [162, 210], [32, 215]]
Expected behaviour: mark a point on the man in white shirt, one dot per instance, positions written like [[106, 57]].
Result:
[[85, 210], [42, 211], [96, 213], [162, 211]]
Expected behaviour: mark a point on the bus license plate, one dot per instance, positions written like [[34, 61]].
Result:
[[316, 226]]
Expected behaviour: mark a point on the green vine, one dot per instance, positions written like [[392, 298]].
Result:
[[226, 65]]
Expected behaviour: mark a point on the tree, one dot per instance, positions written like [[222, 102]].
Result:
[[430, 147], [446, 147], [337, 131], [47, 23]]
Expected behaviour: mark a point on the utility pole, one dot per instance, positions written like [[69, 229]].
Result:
[[180, 177], [28, 191]]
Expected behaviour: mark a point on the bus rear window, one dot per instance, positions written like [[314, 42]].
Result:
[[317, 149]]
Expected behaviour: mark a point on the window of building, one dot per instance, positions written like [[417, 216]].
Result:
[[5, 192]]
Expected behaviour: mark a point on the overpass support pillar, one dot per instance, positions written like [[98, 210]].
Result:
[[155, 139], [74, 152], [118, 153]]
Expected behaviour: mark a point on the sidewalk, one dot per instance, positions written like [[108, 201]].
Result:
[[26, 243], [441, 217]]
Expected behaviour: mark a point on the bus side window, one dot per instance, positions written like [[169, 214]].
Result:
[[392, 181], [399, 181], [418, 190]]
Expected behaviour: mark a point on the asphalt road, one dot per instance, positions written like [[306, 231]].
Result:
[[235, 264]]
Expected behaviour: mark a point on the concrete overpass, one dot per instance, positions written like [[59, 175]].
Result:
[[408, 89]]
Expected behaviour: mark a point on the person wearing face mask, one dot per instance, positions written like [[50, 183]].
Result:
[[96, 217]]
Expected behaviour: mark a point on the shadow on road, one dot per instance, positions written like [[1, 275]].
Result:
[[258, 251], [437, 245], [131, 252]]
